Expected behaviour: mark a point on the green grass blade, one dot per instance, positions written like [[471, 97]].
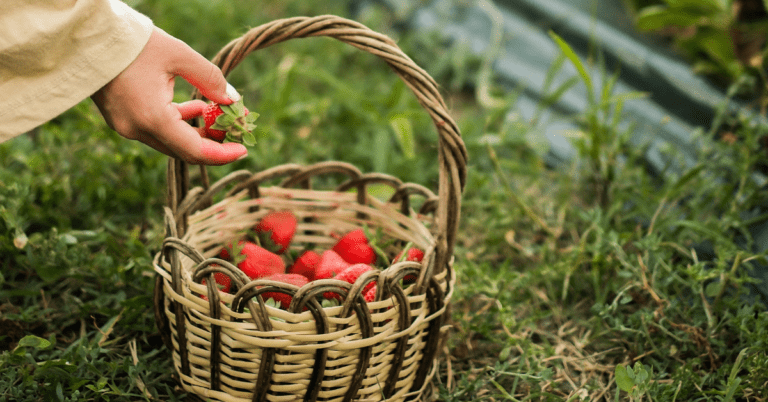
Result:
[[403, 129], [576, 61]]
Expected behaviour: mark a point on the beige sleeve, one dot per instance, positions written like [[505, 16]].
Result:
[[55, 53]]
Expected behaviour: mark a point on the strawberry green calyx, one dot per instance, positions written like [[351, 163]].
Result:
[[237, 122]]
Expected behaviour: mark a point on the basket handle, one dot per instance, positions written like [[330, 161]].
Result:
[[452, 154]]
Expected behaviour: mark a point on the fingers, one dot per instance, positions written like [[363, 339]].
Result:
[[186, 143], [191, 109], [156, 145], [213, 153], [201, 73], [138, 102]]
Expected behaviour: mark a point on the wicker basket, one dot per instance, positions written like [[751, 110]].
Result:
[[234, 347]]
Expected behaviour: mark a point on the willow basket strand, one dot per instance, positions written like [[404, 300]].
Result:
[[234, 347]]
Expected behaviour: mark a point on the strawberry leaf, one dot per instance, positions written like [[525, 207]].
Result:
[[229, 110], [225, 120], [249, 139], [237, 108], [330, 303], [272, 303], [235, 253]]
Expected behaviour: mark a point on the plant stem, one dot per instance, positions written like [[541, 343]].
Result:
[[527, 210]]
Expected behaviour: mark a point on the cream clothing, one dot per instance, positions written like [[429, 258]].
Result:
[[55, 53]]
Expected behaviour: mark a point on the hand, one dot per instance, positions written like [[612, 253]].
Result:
[[138, 103]]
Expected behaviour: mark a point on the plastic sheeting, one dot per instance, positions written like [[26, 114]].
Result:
[[679, 101]]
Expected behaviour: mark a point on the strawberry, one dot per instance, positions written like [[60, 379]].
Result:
[[210, 113], [306, 264], [351, 273], [276, 230], [223, 282], [370, 295], [353, 247], [260, 262], [282, 298], [224, 253], [330, 265], [414, 254], [232, 122], [257, 262]]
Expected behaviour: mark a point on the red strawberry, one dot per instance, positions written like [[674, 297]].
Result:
[[414, 254], [353, 247], [282, 298], [224, 253], [210, 113], [370, 295], [258, 262], [306, 264], [351, 273], [330, 265], [223, 282], [233, 119], [276, 230]]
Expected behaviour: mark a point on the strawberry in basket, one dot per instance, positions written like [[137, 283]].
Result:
[[223, 282], [411, 254], [351, 273], [370, 295], [354, 248], [254, 260], [330, 265], [275, 230], [306, 264], [282, 299]]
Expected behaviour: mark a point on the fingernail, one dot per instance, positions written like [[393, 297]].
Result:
[[232, 93], [243, 156]]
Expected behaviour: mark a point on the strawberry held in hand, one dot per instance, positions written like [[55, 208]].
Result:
[[231, 122], [276, 230], [353, 247]]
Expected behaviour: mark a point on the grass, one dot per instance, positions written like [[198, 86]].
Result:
[[597, 281]]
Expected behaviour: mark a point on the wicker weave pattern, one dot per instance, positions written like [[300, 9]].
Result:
[[232, 347]]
